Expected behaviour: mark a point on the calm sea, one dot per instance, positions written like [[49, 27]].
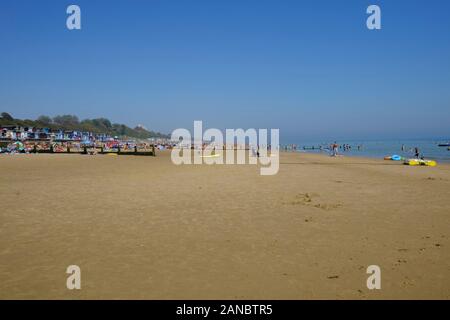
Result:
[[379, 149]]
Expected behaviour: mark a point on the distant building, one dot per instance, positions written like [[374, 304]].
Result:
[[140, 126], [12, 133]]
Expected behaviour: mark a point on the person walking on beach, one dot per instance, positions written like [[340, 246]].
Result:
[[416, 152]]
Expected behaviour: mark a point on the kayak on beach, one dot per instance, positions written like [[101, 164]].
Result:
[[420, 162]]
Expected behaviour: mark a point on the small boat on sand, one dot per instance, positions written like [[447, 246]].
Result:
[[420, 162]]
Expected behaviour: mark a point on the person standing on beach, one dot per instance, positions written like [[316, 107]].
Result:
[[253, 151], [334, 147], [416, 152]]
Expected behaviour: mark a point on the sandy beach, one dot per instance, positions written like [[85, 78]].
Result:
[[143, 228]]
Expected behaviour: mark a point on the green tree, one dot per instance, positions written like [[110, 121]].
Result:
[[45, 120], [66, 121]]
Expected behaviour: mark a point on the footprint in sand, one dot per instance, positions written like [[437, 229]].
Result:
[[433, 179], [304, 198], [407, 282], [399, 262], [327, 206], [310, 199]]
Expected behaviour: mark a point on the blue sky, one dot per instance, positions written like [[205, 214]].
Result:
[[310, 68]]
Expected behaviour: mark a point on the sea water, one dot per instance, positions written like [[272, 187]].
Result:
[[429, 149]]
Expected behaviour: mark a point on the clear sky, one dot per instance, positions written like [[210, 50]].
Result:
[[310, 68]]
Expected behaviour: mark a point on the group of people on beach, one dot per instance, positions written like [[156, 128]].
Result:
[[345, 147], [414, 150]]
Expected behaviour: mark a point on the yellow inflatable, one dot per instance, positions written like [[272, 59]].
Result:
[[211, 156], [420, 162]]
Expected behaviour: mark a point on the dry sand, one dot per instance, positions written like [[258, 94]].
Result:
[[143, 228]]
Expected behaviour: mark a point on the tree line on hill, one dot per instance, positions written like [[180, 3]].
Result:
[[71, 122]]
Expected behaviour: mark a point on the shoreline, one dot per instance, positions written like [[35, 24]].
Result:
[[439, 160]]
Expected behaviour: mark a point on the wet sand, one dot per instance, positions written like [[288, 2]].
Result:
[[143, 228]]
